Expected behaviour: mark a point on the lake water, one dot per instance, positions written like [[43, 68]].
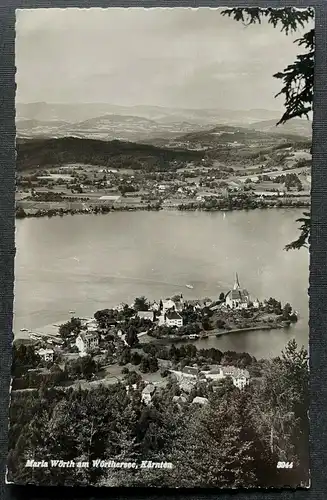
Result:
[[87, 262]]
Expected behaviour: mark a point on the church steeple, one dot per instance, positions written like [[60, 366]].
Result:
[[237, 283]]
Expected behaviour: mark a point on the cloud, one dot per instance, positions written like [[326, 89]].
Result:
[[168, 57]]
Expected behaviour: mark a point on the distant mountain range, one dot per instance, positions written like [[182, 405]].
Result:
[[140, 123], [232, 137], [74, 113], [107, 127], [296, 126]]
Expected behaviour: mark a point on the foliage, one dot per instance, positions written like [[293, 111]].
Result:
[[23, 359], [304, 239], [131, 336], [297, 78], [82, 367], [71, 327], [141, 304], [234, 440], [40, 153]]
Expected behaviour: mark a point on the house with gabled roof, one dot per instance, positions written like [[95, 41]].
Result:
[[87, 341], [147, 393], [173, 318]]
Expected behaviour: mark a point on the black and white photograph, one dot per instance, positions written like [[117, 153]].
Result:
[[163, 180]]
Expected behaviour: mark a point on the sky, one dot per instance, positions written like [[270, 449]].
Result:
[[180, 57]]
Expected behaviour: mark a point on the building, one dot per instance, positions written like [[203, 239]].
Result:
[[176, 305], [149, 315], [188, 373], [87, 341], [172, 318], [168, 305], [237, 298], [239, 376], [187, 385], [200, 401], [147, 394], [179, 399], [46, 354], [256, 304]]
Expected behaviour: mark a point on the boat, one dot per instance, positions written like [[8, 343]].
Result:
[[71, 312], [189, 286], [24, 329]]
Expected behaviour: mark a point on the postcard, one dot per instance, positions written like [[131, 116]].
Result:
[[162, 224]]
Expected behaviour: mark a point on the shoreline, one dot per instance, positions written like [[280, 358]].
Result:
[[176, 339], [106, 210]]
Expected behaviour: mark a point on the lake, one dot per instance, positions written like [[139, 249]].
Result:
[[83, 263]]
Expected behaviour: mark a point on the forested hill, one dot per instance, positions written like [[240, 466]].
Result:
[[41, 153]]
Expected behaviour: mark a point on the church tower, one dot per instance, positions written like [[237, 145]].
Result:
[[237, 285]]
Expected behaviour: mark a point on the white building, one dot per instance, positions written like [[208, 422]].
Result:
[[147, 394], [87, 341], [200, 401], [46, 354], [237, 298], [172, 318], [239, 376], [149, 315], [167, 305], [256, 304]]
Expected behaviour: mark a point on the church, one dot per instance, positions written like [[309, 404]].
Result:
[[237, 298]]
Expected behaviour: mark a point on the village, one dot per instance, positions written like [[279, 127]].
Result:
[[149, 345], [226, 178]]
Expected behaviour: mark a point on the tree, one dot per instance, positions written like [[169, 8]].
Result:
[[136, 358], [153, 364], [105, 318], [280, 405], [20, 213], [218, 446], [220, 323], [297, 78], [287, 311], [206, 325], [125, 356], [145, 365], [83, 367], [72, 326], [141, 304], [131, 336]]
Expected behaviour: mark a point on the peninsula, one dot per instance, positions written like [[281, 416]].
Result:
[[142, 337]]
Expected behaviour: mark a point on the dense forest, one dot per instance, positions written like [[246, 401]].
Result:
[[235, 440], [41, 153]]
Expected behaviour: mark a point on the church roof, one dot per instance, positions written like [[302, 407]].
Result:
[[239, 294]]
